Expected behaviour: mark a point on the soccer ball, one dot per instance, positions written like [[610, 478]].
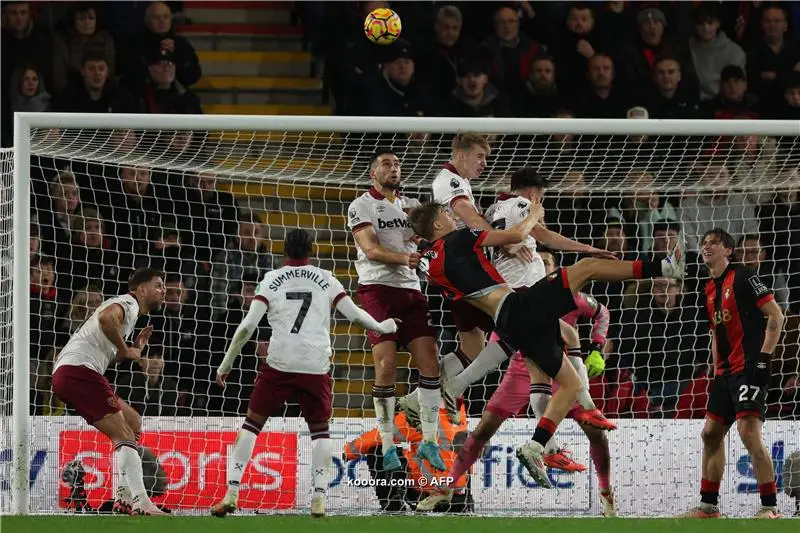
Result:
[[382, 26]]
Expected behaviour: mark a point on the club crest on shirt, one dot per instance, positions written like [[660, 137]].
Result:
[[353, 216], [758, 286], [727, 293], [455, 184]]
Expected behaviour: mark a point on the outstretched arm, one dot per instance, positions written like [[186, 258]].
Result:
[[556, 241], [367, 240], [356, 315], [242, 335]]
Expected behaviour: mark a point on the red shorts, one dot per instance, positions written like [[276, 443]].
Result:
[[273, 388], [87, 392], [410, 306], [467, 317]]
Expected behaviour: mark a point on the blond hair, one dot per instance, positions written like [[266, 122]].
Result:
[[465, 141]]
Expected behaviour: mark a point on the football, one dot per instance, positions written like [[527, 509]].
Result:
[[382, 26]]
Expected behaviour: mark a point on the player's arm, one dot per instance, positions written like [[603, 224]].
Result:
[[775, 321], [467, 212], [367, 240], [111, 321], [516, 233], [241, 337], [556, 241], [345, 305]]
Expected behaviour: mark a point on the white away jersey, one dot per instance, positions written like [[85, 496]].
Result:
[[510, 210], [448, 186], [300, 300], [390, 222], [89, 346]]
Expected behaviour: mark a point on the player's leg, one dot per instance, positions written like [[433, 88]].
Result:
[[589, 269], [315, 396], [120, 488], [601, 458], [384, 356], [749, 428]]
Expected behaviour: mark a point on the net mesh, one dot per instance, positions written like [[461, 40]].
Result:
[[211, 209]]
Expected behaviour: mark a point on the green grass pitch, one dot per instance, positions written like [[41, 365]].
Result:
[[382, 524]]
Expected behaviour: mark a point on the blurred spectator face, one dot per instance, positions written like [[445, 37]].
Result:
[[746, 145], [207, 183], [29, 85], [448, 30], [549, 262], [706, 30], [95, 74], [66, 198], [733, 89], [580, 21], [85, 22], [651, 31], [43, 275], [665, 293], [506, 24], [92, 234], [158, 18], [601, 72], [175, 295], [248, 294], [17, 18], [664, 241], [792, 96], [566, 138], [667, 75], [716, 176], [249, 236], [84, 303], [615, 239], [751, 254], [162, 73], [472, 161], [574, 183], [34, 245], [135, 180], [400, 71], [473, 84], [543, 74], [774, 23]]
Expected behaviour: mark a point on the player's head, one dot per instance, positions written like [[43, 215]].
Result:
[[528, 183], [549, 259], [431, 221], [148, 286], [297, 245], [749, 251], [470, 151], [716, 247], [384, 169]]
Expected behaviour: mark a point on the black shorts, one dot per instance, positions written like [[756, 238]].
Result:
[[733, 397], [529, 321]]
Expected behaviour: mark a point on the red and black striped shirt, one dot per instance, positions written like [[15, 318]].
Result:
[[458, 264], [733, 305]]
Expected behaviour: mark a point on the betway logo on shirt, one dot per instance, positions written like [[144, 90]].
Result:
[[394, 223]]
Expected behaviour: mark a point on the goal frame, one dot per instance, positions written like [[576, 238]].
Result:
[[24, 122]]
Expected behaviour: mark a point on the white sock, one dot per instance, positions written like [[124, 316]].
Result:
[[491, 357], [131, 469], [539, 398], [239, 457], [584, 398], [384, 412], [450, 365], [321, 457], [120, 484], [430, 396]]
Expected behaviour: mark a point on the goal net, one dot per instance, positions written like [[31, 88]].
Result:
[[210, 204]]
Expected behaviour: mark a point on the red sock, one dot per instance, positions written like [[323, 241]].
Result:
[[709, 491], [602, 463], [768, 491], [466, 457]]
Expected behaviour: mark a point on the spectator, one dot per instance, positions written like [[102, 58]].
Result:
[[84, 302], [615, 239], [789, 107], [666, 233], [780, 233], [474, 95], [722, 208], [168, 255], [44, 305], [24, 43], [91, 258], [669, 97], [34, 242], [161, 93], [542, 98], [55, 220], [579, 43], [245, 258], [71, 45], [712, 50], [146, 386], [733, 100], [27, 93], [558, 155], [603, 98], [94, 92], [751, 254], [395, 92], [159, 34], [641, 208], [511, 54], [661, 339], [772, 55], [437, 65]]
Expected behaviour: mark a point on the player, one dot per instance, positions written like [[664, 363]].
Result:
[[742, 344], [298, 298], [79, 382], [529, 321], [388, 286]]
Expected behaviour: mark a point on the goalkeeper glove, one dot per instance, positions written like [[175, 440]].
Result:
[[595, 363]]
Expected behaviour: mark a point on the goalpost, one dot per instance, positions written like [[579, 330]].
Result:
[[612, 181]]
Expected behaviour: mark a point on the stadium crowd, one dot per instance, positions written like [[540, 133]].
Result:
[[94, 223]]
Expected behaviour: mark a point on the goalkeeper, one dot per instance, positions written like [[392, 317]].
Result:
[[394, 498]]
